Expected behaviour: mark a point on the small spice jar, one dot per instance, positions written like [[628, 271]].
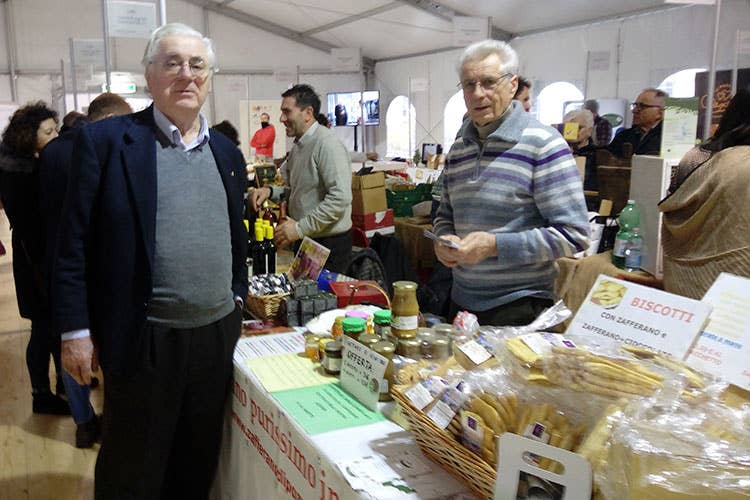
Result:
[[385, 349], [404, 309], [368, 339], [441, 348], [312, 347], [337, 330], [409, 348], [382, 320], [332, 359], [353, 327]]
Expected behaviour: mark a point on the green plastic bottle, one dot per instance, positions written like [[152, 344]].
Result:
[[629, 218]]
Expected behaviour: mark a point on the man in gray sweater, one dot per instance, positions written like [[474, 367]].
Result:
[[318, 180]]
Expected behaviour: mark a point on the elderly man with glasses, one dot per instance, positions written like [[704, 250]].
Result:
[[150, 274], [645, 134], [512, 200]]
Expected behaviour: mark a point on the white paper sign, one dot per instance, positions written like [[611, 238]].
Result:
[[680, 126], [346, 59], [467, 30], [640, 316], [131, 19], [743, 41], [362, 372], [88, 52], [724, 346], [599, 60]]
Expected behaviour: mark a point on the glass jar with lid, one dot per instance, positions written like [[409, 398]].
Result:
[[337, 330], [382, 320], [353, 327], [404, 309], [332, 358]]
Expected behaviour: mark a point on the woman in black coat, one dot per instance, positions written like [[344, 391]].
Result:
[[29, 130]]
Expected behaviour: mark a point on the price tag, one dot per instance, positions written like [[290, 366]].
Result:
[[476, 353], [419, 395], [362, 372]]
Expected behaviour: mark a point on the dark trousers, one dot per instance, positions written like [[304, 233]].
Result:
[[162, 425], [41, 344], [340, 246], [517, 313]]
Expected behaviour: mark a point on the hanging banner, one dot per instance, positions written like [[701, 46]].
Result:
[[88, 52], [346, 59], [722, 94], [467, 30], [131, 19]]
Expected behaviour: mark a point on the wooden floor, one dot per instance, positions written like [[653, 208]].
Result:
[[38, 457]]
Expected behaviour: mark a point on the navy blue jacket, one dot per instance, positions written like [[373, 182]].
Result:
[[103, 271]]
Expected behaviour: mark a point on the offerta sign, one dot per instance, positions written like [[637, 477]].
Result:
[[640, 316]]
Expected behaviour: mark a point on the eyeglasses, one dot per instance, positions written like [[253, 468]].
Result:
[[640, 106], [197, 67], [487, 84]]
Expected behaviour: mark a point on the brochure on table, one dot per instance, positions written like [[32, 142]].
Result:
[[640, 316], [723, 347]]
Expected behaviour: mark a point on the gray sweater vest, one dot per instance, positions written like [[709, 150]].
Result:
[[193, 260]]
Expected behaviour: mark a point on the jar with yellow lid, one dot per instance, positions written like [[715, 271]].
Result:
[[404, 309]]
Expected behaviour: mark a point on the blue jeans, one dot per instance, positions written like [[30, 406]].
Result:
[[78, 397]]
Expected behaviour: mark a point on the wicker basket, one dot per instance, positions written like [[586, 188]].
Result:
[[265, 306], [442, 447]]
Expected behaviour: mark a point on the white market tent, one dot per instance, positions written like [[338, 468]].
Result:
[[406, 45]]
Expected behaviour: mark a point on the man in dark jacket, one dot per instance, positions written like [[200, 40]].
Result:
[[150, 275], [645, 134], [54, 166]]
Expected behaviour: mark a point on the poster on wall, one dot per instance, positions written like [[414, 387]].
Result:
[[679, 126], [722, 94], [251, 126]]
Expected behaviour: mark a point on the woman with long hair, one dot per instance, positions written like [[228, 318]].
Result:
[[29, 130]]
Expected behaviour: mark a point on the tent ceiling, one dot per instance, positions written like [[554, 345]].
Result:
[[387, 29]]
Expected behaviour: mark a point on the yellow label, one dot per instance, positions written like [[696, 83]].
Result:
[[570, 131]]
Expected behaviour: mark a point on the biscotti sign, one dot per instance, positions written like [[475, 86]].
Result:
[[640, 316]]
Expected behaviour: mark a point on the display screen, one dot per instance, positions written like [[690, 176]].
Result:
[[346, 108]]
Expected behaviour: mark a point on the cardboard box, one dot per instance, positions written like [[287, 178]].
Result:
[[369, 200], [374, 220], [368, 181], [368, 193]]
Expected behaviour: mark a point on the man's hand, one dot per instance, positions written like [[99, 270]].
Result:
[[476, 247], [79, 359], [285, 233], [259, 195], [447, 255]]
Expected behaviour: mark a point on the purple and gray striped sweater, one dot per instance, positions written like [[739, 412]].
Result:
[[522, 185]]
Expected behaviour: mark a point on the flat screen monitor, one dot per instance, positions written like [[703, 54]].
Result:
[[430, 149], [344, 108]]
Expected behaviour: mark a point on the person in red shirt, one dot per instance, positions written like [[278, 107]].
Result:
[[263, 138]]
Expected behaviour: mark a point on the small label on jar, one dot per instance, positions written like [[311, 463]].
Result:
[[332, 364], [404, 322]]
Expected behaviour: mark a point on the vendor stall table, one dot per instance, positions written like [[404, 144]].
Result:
[[267, 454]]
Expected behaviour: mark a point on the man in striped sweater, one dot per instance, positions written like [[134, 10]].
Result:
[[512, 197]]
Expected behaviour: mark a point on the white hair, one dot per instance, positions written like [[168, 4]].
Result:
[[175, 29], [584, 115], [481, 50]]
